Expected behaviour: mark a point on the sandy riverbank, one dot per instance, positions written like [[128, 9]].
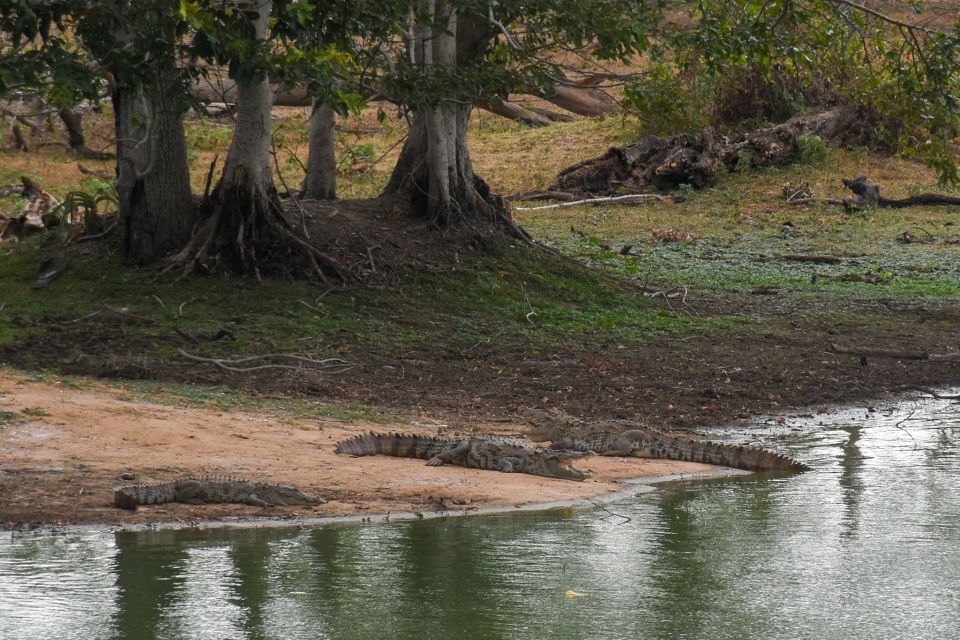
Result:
[[63, 449]]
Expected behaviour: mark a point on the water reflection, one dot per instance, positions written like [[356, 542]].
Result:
[[864, 546], [148, 574], [851, 483]]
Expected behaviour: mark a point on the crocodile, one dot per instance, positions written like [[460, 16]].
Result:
[[629, 438], [210, 489], [509, 455]]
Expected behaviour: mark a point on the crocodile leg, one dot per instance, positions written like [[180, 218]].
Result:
[[255, 500], [189, 491], [450, 455]]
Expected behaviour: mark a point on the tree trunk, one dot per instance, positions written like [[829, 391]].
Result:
[[434, 166], [73, 122], [320, 182], [244, 203], [246, 230], [157, 211], [19, 142]]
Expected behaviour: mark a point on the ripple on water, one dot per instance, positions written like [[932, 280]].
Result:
[[57, 587]]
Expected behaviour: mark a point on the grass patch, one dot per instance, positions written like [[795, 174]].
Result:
[[746, 230], [519, 297], [753, 261]]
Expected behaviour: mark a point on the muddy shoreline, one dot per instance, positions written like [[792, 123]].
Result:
[[631, 487], [65, 447]]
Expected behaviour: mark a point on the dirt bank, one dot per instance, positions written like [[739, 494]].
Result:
[[64, 448]]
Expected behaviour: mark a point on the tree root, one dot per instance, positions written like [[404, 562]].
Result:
[[329, 365], [562, 196], [245, 232], [930, 392], [87, 153], [868, 196]]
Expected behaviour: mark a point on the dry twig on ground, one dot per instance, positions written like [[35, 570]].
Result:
[[329, 365]]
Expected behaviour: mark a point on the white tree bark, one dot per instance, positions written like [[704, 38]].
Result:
[[248, 160], [320, 183], [246, 229], [244, 207], [438, 187], [434, 167]]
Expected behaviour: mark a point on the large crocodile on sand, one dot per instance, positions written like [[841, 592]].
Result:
[[628, 438], [494, 453], [211, 489]]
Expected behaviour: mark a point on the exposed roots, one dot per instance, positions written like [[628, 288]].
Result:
[[472, 205], [246, 232]]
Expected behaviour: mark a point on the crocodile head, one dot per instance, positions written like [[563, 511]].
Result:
[[558, 464], [541, 433], [547, 425], [284, 494]]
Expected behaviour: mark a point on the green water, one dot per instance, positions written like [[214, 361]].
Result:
[[865, 546]]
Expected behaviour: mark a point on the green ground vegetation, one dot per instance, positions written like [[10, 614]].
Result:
[[746, 236], [518, 295]]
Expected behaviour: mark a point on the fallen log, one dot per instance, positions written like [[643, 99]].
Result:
[[514, 111], [697, 159], [553, 116], [868, 197], [582, 101], [635, 198], [865, 352]]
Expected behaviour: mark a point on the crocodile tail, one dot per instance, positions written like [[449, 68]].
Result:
[[756, 459], [403, 445], [729, 455]]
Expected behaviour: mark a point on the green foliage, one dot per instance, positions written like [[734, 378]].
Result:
[[208, 137], [522, 51], [88, 201], [450, 310], [37, 53], [812, 150], [773, 56], [351, 154], [665, 103], [8, 418]]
